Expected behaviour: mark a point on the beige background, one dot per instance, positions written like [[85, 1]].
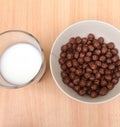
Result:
[[43, 104]]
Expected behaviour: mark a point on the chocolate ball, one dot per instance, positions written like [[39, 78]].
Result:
[[89, 54], [87, 75], [78, 39], [66, 80], [79, 48], [69, 45], [96, 44], [63, 67], [85, 49], [64, 48], [98, 75], [115, 81], [97, 82], [111, 66], [89, 70], [79, 72], [72, 69], [63, 54], [64, 74], [115, 58], [114, 51], [92, 77], [75, 63], [87, 59], [74, 46], [76, 55], [91, 48], [81, 60], [108, 77], [82, 83], [107, 72], [92, 65], [97, 51], [104, 65], [104, 49], [84, 65], [118, 68], [117, 74], [72, 40], [82, 54], [108, 54], [88, 83], [69, 56], [82, 92], [61, 60], [108, 60], [72, 75], [103, 82], [95, 57], [95, 71], [70, 84], [76, 88], [103, 91], [91, 37], [93, 94], [69, 64], [118, 63], [89, 91], [98, 63], [101, 71], [110, 86], [102, 58], [101, 40], [110, 45], [89, 42], [85, 88], [76, 80], [84, 40], [94, 87]]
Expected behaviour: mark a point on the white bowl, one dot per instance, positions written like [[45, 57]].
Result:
[[83, 28]]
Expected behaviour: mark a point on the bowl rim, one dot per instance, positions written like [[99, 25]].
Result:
[[68, 95]]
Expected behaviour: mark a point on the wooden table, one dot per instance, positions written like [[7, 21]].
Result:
[[43, 104]]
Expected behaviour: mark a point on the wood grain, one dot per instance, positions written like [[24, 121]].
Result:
[[43, 104]]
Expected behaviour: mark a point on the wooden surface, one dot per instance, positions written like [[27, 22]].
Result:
[[43, 104]]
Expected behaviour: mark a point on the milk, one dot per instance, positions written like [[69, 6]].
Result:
[[20, 63]]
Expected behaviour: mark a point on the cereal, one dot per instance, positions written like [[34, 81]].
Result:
[[110, 45], [91, 37], [110, 86], [101, 40], [82, 92], [114, 51], [93, 94], [104, 49], [84, 40], [89, 65], [71, 85], [103, 91], [76, 88], [78, 40]]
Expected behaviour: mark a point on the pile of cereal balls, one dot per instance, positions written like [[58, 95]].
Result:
[[89, 65]]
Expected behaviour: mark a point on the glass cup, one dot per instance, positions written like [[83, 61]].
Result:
[[28, 70]]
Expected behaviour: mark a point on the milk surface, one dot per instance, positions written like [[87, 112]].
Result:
[[20, 63]]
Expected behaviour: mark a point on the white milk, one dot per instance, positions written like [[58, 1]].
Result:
[[20, 63]]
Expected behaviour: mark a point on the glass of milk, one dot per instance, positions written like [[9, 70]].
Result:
[[22, 59]]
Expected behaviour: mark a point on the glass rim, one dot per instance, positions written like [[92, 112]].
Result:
[[14, 86]]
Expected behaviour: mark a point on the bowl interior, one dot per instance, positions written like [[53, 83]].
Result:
[[83, 28]]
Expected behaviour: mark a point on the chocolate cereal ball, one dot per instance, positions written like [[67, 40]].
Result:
[[90, 66]]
